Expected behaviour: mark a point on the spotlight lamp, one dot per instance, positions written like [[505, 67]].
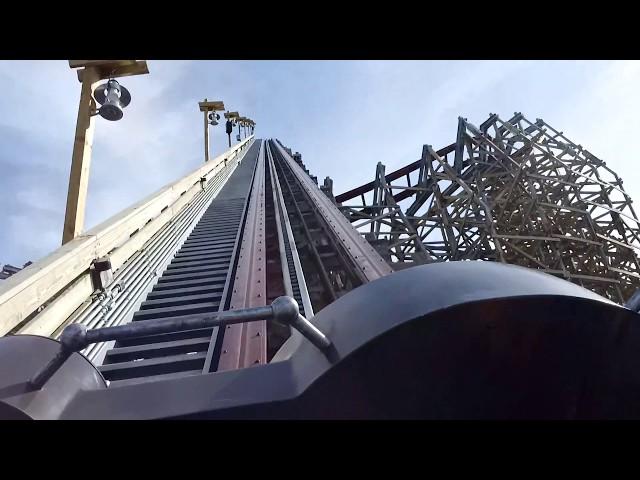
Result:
[[113, 98], [213, 118]]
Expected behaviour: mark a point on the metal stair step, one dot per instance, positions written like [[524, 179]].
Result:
[[208, 239], [227, 247], [221, 218], [177, 311], [194, 260], [223, 264], [153, 366], [216, 287], [166, 337], [213, 235], [166, 376], [221, 244], [191, 249], [204, 255], [179, 281], [218, 226], [154, 350], [176, 300], [203, 262], [213, 232]]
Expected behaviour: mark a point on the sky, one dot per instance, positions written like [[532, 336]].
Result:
[[342, 116]]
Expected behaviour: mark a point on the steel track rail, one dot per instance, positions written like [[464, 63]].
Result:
[[290, 257], [364, 257], [244, 345]]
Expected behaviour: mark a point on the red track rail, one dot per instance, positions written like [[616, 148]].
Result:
[[246, 344]]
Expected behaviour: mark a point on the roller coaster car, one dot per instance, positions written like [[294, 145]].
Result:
[[458, 340]]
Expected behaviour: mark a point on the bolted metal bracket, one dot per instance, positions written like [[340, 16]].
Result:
[[101, 273]]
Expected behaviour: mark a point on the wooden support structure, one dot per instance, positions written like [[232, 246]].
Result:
[[81, 158]]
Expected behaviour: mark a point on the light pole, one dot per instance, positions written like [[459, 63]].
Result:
[[249, 127], [231, 119], [242, 122], [113, 98], [239, 127], [210, 118], [229, 129]]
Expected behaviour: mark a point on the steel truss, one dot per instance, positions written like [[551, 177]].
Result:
[[509, 191]]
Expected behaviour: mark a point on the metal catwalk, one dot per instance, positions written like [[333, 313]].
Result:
[[196, 281]]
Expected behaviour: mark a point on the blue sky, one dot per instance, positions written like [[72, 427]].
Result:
[[343, 116]]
